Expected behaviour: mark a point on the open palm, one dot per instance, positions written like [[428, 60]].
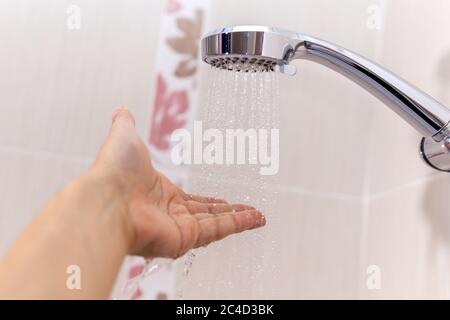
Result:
[[167, 222]]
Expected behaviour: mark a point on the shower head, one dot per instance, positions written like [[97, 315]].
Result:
[[248, 48]]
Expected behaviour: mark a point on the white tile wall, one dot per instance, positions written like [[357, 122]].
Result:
[[58, 89], [408, 238], [408, 221], [59, 86], [28, 180]]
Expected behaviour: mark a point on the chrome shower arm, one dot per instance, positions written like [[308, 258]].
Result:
[[262, 48], [417, 108]]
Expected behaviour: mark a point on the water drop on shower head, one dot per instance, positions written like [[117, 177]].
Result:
[[288, 69]]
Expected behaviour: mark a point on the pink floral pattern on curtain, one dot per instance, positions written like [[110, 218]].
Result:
[[168, 110], [173, 106]]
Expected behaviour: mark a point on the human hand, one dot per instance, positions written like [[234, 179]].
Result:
[[164, 220]]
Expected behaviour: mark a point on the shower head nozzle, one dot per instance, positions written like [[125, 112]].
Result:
[[249, 48]]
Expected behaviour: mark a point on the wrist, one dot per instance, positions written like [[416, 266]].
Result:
[[110, 192]]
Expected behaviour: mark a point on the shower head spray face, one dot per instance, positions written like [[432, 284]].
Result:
[[249, 49], [243, 64]]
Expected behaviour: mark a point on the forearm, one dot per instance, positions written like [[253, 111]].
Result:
[[86, 225], [121, 205]]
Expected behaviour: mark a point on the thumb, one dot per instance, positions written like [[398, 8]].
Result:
[[122, 117], [121, 133], [122, 127]]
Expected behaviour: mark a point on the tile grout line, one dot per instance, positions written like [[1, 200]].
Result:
[[44, 154], [364, 199], [407, 185], [318, 193], [302, 191], [367, 199]]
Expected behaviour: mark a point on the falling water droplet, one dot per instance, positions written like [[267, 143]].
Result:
[[188, 262], [240, 100]]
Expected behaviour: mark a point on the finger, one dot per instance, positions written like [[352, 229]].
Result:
[[202, 199], [204, 215], [242, 207], [122, 117], [121, 132], [219, 227], [215, 208], [198, 207]]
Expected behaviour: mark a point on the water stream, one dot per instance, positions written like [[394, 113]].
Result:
[[237, 100], [234, 100]]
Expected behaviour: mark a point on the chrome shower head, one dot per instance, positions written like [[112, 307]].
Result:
[[249, 48], [262, 48]]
